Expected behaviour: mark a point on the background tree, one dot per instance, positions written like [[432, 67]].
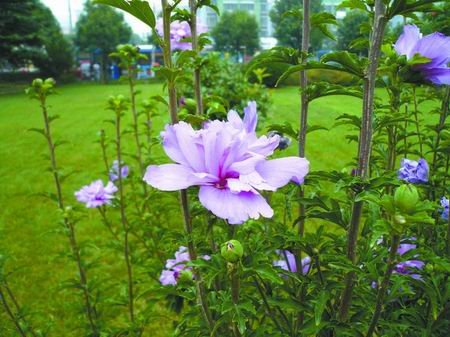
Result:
[[19, 31], [102, 28], [349, 29], [287, 28], [236, 30], [437, 20], [56, 56]]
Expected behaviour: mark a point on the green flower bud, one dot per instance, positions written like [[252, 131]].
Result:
[[37, 83], [50, 81], [399, 219], [406, 198], [232, 251]]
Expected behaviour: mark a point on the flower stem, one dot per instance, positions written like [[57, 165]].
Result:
[[90, 309], [269, 310], [103, 146], [201, 291], [442, 118], [365, 147], [235, 288], [384, 284], [195, 47], [416, 117], [136, 129], [306, 29], [11, 315], [124, 221], [17, 307]]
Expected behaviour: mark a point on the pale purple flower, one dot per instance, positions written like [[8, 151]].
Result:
[[287, 262], [414, 172], [408, 267], [114, 171], [96, 194], [179, 31], [435, 47], [228, 161], [174, 267], [445, 206]]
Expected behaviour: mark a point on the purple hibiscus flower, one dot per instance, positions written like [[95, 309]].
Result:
[[114, 171], [445, 206], [179, 30], [96, 194], [414, 172], [408, 267], [228, 161], [287, 262], [175, 267], [435, 47]]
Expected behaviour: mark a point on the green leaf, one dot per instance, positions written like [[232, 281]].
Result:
[[406, 8], [138, 8], [353, 4], [319, 307], [285, 129], [169, 74], [418, 59], [41, 131], [313, 128]]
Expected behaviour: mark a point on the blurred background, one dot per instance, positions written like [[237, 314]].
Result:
[[71, 39]]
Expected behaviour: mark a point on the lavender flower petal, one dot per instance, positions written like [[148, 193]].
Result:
[[96, 194]]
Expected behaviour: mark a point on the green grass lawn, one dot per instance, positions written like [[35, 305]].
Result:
[[28, 222]]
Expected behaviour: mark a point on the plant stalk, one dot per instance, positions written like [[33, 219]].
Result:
[[235, 288], [304, 104], [11, 315], [384, 284], [365, 147], [90, 309], [124, 221], [201, 292], [195, 47], [416, 117]]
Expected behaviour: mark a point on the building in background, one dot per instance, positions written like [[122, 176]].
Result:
[[259, 8]]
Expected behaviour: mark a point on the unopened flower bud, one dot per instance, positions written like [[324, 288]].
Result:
[[406, 198], [37, 83], [50, 82], [232, 251], [399, 219]]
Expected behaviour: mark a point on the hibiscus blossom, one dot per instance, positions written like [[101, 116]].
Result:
[[229, 163], [179, 32], [434, 46], [96, 194]]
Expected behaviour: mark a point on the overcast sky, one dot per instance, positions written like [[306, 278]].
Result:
[[60, 9]]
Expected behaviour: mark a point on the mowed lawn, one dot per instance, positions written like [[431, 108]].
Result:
[[28, 226]]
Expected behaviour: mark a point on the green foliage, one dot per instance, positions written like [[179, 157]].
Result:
[[286, 17], [57, 58], [102, 28], [138, 8], [19, 31], [370, 233], [236, 31], [350, 29], [225, 86], [30, 33]]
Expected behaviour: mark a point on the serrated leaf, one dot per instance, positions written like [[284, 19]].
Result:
[[138, 8]]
